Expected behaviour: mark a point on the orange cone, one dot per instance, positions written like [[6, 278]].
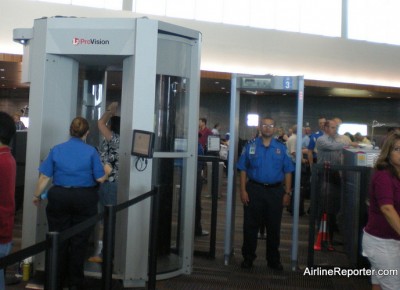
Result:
[[323, 240]]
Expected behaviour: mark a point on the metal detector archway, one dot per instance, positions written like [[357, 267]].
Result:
[[265, 83]]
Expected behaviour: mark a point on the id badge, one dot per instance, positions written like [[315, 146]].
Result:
[[252, 150]]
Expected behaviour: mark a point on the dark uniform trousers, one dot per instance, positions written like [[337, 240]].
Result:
[[68, 207], [265, 207]]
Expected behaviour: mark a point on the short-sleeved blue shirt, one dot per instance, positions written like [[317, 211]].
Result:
[[265, 164], [313, 141], [73, 163]]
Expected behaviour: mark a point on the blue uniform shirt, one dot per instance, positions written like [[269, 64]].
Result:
[[265, 164], [313, 141], [73, 163]]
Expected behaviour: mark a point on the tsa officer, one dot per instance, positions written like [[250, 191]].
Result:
[[265, 188]]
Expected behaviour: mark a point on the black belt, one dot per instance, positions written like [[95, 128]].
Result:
[[266, 184], [66, 186]]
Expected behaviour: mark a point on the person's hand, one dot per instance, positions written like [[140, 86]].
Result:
[[244, 197], [36, 200], [107, 169], [286, 199], [354, 144], [113, 107]]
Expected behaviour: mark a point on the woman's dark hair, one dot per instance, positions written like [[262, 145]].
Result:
[[115, 123], [383, 161], [7, 128], [79, 127]]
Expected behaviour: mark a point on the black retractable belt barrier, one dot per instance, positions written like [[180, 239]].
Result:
[[23, 254], [54, 239]]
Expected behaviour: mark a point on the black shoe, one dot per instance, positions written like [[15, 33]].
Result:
[[277, 267], [246, 264]]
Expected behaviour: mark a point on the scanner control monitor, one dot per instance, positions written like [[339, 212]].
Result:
[[142, 143]]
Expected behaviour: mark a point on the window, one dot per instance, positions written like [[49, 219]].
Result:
[[353, 129], [252, 120], [25, 120]]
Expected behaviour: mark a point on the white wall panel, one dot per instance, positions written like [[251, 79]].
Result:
[[230, 48]]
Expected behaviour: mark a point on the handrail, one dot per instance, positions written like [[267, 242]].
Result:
[[53, 239]]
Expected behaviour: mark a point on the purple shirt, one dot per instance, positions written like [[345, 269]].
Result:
[[384, 189], [203, 136]]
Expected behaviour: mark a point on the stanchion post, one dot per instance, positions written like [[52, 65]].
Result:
[[152, 258], [51, 266], [214, 206], [108, 246], [313, 208]]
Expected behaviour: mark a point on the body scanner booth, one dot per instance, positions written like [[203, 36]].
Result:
[[69, 63]]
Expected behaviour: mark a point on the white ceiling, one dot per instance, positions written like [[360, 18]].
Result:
[[229, 48]]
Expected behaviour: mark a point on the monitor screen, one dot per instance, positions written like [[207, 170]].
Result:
[[213, 143], [142, 143]]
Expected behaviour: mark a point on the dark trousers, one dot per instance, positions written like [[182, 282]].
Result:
[[265, 208], [68, 207]]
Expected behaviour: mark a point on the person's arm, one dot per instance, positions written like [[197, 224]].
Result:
[[310, 157], [311, 146], [102, 123], [328, 144], [41, 185], [391, 216], [288, 189], [332, 144], [244, 196], [107, 169]]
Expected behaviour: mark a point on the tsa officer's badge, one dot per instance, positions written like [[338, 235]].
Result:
[[252, 150]]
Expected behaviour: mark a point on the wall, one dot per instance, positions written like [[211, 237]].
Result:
[[10, 105], [284, 110], [216, 109], [230, 48]]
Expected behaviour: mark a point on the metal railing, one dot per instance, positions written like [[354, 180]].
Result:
[[54, 239]]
